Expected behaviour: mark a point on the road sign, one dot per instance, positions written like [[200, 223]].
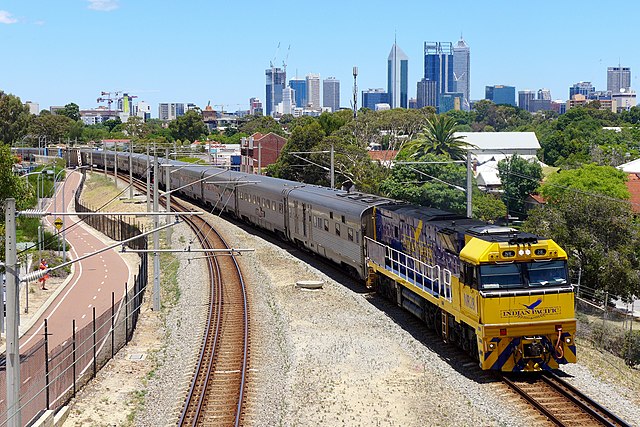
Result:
[[58, 223]]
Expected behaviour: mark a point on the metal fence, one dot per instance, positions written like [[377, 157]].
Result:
[[51, 376], [609, 324]]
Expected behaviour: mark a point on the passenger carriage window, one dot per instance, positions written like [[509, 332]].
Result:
[[343, 219], [279, 207], [337, 229], [273, 206], [331, 215], [350, 234], [326, 225]]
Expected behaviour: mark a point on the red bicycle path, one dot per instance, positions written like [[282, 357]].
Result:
[[92, 281]]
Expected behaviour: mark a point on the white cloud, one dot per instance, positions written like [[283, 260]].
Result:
[[6, 18], [103, 5]]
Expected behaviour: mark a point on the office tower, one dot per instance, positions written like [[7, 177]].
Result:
[[34, 107], [427, 93], [618, 78], [255, 107], [544, 94], [143, 110], [524, 98], [170, 110], [438, 66], [300, 86], [413, 103], [276, 78], [313, 91], [450, 101], [501, 94], [331, 93], [288, 100], [371, 97], [581, 88], [397, 77], [461, 70]]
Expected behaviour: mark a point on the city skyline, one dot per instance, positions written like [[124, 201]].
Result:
[[65, 43]]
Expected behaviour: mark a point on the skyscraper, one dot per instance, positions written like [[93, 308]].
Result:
[[582, 88], [313, 91], [438, 66], [618, 78], [331, 93], [461, 71], [276, 78], [427, 93], [255, 107], [371, 97], [501, 94], [288, 100], [524, 98], [300, 86], [544, 94], [397, 77]]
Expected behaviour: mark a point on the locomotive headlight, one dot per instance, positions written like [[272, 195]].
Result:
[[528, 252], [492, 346], [568, 340], [520, 252]]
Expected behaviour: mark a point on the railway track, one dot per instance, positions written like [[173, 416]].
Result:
[[561, 403], [217, 392]]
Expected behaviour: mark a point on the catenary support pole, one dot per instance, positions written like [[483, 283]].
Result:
[[148, 182], [156, 245], [130, 170], [168, 195], [14, 418], [469, 186], [333, 178]]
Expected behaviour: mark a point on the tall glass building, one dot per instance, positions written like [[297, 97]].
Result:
[[331, 93], [427, 93], [398, 77], [313, 91], [582, 88], [276, 79], [300, 86], [438, 66], [462, 70], [501, 94], [371, 97]]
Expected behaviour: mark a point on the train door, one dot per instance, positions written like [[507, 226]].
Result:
[[296, 218], [304, 219]]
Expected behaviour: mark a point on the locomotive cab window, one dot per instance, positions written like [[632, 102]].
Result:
[[547, 273]]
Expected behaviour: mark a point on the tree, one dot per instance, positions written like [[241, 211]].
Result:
[[189, 126], [12, 185], [52, 126], [519, 178], [70, 110], [14, 118], [134, 127], [303, 138], [438, 185], [589, 179], [439, 138], [112, 123], [487, 207], [262, 124], [600, 236]]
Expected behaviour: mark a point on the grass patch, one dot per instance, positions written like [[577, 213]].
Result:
[[192, 160]]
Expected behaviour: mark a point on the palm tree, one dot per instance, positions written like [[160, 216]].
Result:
[[438, 138]]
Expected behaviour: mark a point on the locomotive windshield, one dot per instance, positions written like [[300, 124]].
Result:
[[523, 275]]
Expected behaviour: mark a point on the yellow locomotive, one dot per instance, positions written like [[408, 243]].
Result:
[[501, 294]]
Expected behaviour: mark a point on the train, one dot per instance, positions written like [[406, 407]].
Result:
[[500, 294]]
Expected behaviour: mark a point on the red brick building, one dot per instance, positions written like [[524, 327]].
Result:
[[260, 151]]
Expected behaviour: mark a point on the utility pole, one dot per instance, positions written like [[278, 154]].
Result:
[[469, 189], [148, 181], [115, 164], [130, 170], [332, 172], [156, 243], [13, 343], [259, 158], [168, 196]]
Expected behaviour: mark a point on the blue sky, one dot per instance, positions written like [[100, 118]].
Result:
[[56, 52]]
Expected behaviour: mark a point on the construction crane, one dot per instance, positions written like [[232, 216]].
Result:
[[106, 97], [284, 62]]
